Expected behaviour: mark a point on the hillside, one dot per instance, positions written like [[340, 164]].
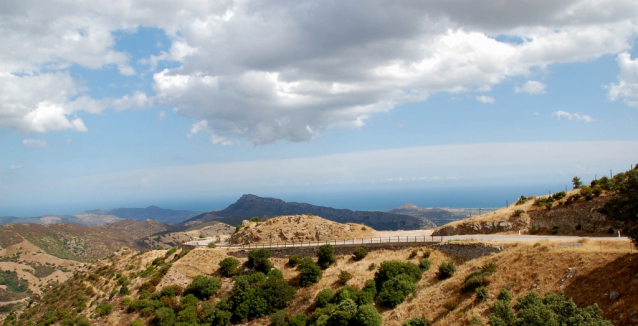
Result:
[[306, 228], [518, 268], [107, 216], [250, 205], [567, 217], [439, 216]]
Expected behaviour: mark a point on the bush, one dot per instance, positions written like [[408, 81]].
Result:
[[203, 287], [344, 277], [446, 270], [559, 195], [294, 260], [165, 317], [482, 293], [367, 315], [576, 182], [553, 309], [518, 212], [258, 259], [427, 254], [504, 295], [104, 309], [597, 190], [323, 298], [554, 229], [533, 230], [586, 192], [392, 268], [309, 272], [413, 254], [275, 274], [372, 266], [326, 256], [229, 267], [278, 318], [212, 245], [299, 319], [521, 200], [394, 291], [359, 253], [424, 265], [416, 321], [611, 231], [255, 219], [137, 323]]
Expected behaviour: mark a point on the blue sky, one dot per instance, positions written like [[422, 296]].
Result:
[[362, 105]]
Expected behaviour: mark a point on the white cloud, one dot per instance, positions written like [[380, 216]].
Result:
[[485, 99], [15, 167], [290, 70], [35, 143], [572, 116], [161, 115], [531, 87], [627, 86]]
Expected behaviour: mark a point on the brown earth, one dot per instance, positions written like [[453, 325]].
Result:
[[298, 228]]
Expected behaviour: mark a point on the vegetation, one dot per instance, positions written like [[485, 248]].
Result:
[[359, 253], [576, 182], [344, 277], [521, 200], [104, 309], [394, 281], [326, 256], [202, 287], [258, 259], [624, 206], [446, 270], [416, 321], [13, 284], [479, 278], [424, 265], [229, 267], [309, 272], [294, 260], [553, 309], [346, 307], [518, 212]]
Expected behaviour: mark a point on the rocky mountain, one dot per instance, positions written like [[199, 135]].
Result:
[[439, 216], [108, 216], [250, 205]]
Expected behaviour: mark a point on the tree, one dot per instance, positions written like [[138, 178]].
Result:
[[368, 315], [258, 259], [203, 287], [228, 267], [576, 182], [326, 256], [309, 272], [359, 253], [323, 298], [165, 316]]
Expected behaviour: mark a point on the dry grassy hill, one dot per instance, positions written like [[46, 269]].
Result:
[[298, 228], [589, 274]]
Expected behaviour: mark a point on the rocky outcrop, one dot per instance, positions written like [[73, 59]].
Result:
[[580, 216], [468, 250]]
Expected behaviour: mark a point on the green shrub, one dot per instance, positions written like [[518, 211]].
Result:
[[586, 192], [482, 293], [344, 277], [533, 230], [424, 265], [325, 255], [597, 190], [367, 315], [413, 254], [446, 270], [359, 253], [309, 272], [504, 295], [323, 298], [229, 267], [104, 309], [299, 319], [518, 212], [137, 323], [203, 287], [576, 182], [416, 321], [427, 254], [294, 260], [212, 245], [394, 291], [278, 318], [165, 317], [521, 200], [255, 219], [553, 309], [392, 268], [275, 274], [559, 195], [258, 259], [554, 229], [372, 266]]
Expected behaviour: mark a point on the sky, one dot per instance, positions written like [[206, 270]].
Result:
[[350, 104]]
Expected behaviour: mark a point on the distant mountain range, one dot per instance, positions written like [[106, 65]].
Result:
[[440, 216], [250, 205], [108, 216]]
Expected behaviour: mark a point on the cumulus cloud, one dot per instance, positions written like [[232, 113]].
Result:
[[627, 86], [35, 143], [290, 70], [560, 114], [485, 99], [531, 87]]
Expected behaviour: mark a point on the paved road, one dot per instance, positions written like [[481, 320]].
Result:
[[421, 239]]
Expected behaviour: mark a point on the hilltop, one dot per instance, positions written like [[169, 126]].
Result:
[[306, 228], [250, 205], [438, 215]]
